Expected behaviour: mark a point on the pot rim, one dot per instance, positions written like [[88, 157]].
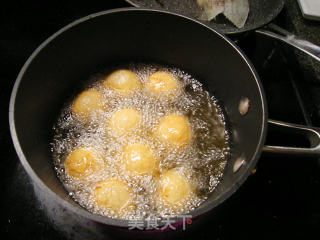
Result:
[[120, 222]]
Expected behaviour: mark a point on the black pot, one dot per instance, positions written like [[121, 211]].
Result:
[[92, 43]]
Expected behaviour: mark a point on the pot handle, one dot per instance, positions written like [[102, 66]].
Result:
[[312, 133], [278, 33]]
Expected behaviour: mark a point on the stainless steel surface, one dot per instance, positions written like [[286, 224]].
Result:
[[313, 135], [278, 33]]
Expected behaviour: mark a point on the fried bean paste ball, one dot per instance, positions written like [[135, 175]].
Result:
[[162, 83], [88, 102], [124, 120], [174, 187], [113, 194], [123, 81], [82, 162], [140, 159], [175, 130]]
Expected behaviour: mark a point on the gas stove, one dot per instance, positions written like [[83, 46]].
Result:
[[280, 199]]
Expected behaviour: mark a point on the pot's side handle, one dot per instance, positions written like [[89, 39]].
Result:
[[278, 33], [313, 135]]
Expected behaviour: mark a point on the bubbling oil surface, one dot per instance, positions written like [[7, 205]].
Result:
[[202, 161]]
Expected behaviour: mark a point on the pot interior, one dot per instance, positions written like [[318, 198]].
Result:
[[135, 35]]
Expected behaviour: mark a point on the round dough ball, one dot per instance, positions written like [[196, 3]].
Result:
[[139, 158], [82, 162], [161, 83], [123, 81], [174, 187], [125, 120], [112, 194], [87, 102], [174, 129]]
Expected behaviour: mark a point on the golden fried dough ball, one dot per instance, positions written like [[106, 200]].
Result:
[[82, 162], [161, 83], [174, 187], [87, 102], [124, 120], [139, 158], [174, 129], [123, 81], [112, 194]]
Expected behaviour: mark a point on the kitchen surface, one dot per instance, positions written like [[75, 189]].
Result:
[[280, 200]]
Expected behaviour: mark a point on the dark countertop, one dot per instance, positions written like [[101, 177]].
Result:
[[280, 201]]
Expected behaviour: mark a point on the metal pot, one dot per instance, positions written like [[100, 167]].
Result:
[[88, 45]]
